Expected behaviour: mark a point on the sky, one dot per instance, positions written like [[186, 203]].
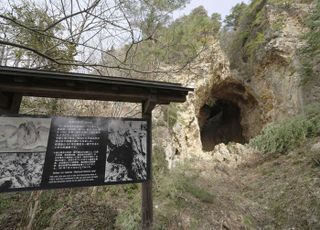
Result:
[[222, 7]]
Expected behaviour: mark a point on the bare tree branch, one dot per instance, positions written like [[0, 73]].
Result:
[[29, 49], [95, 3], [100, 35]]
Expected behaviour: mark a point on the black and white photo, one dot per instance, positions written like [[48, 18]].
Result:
[[23, 144], [21, 170], [126, 154]]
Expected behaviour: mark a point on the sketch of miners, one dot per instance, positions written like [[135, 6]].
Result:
[[24, 137]]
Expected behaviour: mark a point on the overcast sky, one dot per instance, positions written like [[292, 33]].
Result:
[[222, 7]]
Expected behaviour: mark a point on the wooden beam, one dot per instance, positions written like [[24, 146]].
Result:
[[88, 87], [94, 92]]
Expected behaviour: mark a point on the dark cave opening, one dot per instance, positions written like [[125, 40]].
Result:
[[220, 123]]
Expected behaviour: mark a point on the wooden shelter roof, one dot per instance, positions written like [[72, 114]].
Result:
[[40, 83]]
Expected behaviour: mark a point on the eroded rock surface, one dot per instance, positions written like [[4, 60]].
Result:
[[265, 91]]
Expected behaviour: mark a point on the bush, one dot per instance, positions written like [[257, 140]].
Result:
[[171, 115], [248, 22], [310, 52], [187, 186], [284, 136], [173, 193], [130, 218], [159, 162], [254, 44]]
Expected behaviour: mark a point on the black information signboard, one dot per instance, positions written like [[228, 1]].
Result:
[[59, 152]]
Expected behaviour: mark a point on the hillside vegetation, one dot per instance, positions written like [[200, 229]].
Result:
[[276, 191], [276, 187]]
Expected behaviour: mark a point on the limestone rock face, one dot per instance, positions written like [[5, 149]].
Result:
[[275, 76], [268, 90], [233, 154], [316, 147]]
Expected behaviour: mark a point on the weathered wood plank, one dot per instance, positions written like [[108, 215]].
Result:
[[10, 102], [74, 85], [147, 200], [90, 93]]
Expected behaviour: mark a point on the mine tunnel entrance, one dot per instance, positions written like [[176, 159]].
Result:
[[220, 122]]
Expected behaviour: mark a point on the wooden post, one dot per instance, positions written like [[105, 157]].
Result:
[[10, 102], [147, 201]]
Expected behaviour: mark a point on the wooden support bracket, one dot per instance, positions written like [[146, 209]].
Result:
[[10, 102], [149, 105]]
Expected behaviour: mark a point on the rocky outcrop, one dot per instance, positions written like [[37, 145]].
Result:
[[266, 89]]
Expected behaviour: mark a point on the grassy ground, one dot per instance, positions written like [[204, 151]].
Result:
[[287, 187], [268, 192], [273, 192]]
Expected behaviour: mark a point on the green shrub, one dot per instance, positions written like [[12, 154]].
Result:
[[187, 185], [279, 24], [288, 134], [248, 22], [49, 205], [130, 218], [171, 115], [173, 192], [281, 2], [310, 52], [254, 44], [159, 162]]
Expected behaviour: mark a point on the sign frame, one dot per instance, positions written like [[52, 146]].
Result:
[[82, 184]]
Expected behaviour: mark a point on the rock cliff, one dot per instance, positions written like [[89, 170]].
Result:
[[235, 98]]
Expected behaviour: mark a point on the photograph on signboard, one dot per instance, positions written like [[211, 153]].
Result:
[[23, 144], [21, 170], [24, 134], [126, 154]]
